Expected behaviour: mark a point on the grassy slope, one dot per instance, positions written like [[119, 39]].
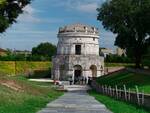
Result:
[[127, 78], [117, 106], [119, 64], [8, 67], [29, 99]]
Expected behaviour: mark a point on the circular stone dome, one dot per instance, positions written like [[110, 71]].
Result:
[[73, 35], [78, 28]]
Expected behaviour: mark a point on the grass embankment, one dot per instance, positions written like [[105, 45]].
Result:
[[17, 95], [117, 106], [22, 67], [129, 79], [119, 64]]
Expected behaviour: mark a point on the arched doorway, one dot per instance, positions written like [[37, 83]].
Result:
[[77, 74], [93, 69]]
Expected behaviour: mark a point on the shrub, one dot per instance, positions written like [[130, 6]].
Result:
[[117, 59], [39, 74]]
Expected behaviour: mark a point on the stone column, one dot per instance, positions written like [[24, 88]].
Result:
[[57, 74], [73, 76]]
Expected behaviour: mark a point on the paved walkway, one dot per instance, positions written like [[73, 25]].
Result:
[[41, 80], [76, 100]]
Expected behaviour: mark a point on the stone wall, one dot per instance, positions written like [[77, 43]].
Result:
[[89, 45]]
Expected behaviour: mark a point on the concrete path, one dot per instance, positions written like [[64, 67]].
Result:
[[75, 101], [41, 80]]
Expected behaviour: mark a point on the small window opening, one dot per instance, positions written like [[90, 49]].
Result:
[[78, 49]]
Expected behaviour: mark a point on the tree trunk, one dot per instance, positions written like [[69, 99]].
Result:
[[138, 60], [137, 63]]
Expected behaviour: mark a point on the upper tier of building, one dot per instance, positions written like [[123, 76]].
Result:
[[78, 39], [78, 29]]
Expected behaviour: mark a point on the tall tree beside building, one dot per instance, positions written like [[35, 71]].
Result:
[[9, 11], [146, 58], [130, 20]]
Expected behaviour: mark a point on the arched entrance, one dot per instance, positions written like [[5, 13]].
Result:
[[77, 74], [93, 69]]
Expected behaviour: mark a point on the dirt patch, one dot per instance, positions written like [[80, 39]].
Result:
[[11, 84]]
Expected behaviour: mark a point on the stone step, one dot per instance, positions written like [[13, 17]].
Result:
[[72, 111], [65, 82], [85, 106]]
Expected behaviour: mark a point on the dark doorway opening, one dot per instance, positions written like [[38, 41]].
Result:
[[78, 49], [77, 73], [77, 76]]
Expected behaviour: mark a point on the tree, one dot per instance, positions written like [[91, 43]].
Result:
[[44, 49], [9, 11], [130, 21], [146, 58]]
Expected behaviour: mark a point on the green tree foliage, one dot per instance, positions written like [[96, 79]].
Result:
[[2, 2], [9, 11], [117, 59], [44, 49], [130, 20]]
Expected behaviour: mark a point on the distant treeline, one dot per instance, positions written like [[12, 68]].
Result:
[[124, 59], [43, 52], [23, 57]]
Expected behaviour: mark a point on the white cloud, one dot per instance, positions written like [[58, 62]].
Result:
[[29, 16], [33, 19], [86, 6], [32, 32], [30, 10], [107, 39], [90, 8]]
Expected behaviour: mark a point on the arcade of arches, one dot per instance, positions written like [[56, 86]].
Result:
[[79, 78]]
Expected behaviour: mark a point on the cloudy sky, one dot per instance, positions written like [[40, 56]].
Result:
[[42, 18]]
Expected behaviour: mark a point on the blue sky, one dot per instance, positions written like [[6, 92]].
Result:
[[42, 18]]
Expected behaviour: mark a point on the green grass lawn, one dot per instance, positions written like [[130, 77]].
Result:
[[119, 64], [22, 67], [127, 78], [117, 106], [28, 98]]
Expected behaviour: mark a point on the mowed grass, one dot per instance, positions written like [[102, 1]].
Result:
[[22, 67], [22, 96], [119, 64], [129, 79], [117, 106]]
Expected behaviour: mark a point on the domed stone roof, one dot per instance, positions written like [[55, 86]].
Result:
[[78, 28]]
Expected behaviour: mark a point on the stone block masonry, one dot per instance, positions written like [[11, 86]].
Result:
[[77, 56]]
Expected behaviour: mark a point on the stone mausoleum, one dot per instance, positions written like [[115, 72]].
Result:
[[77, 53]]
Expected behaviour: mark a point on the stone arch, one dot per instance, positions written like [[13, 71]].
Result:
[[77, 73], [93, 69]]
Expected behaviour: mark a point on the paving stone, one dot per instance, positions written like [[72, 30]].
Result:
[[76, 101]]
